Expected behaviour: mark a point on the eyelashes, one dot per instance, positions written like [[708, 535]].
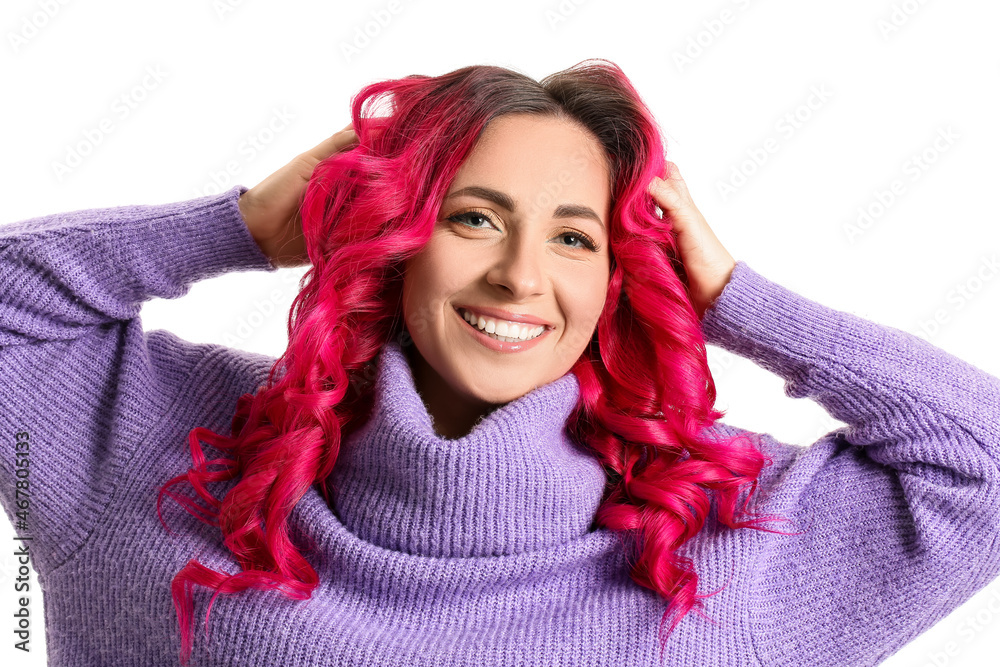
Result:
[[462, 218]]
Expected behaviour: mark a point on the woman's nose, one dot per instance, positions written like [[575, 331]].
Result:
[[519, 268]]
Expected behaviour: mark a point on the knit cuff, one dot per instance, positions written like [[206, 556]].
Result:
[[207, 237]]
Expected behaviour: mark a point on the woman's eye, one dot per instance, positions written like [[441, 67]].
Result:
[[584, 242], [469, 215]]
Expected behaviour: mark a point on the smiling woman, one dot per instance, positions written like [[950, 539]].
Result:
[[487, 196], [514, 268], [492, 438]]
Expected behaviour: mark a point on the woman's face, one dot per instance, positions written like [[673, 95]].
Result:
[[511, 238]]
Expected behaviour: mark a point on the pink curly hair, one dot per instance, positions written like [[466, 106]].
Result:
[[368, 209]]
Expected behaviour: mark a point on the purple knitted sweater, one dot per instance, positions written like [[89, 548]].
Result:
[[478, 551]]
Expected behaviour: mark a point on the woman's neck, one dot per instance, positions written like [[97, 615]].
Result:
[[454, 415]]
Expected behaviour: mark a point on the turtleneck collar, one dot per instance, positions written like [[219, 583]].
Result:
[[516, 483]]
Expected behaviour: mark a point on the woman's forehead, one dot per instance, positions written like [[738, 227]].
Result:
[[529, 162]]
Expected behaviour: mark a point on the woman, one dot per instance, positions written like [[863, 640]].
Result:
[[408, 485]]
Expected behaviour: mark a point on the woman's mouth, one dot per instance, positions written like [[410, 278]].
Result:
[[508, 332], [534, 334]]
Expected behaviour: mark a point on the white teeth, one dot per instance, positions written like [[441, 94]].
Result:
[[508, 333]]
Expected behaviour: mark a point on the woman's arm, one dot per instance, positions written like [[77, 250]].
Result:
[[899, 511], [66, 273], [83, 383]]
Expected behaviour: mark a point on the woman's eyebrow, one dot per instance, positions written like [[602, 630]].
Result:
[[507, 202]]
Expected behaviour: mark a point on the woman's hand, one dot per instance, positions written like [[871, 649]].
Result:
[[707, 263], [271, 208]]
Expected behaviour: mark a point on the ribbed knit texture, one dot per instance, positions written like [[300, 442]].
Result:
[[402, 487], [480, 550]]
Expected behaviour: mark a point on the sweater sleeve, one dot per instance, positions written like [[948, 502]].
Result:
[[897, 513], [66, 272], [84, 385]]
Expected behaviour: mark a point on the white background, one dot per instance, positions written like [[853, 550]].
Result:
[[893, 74]]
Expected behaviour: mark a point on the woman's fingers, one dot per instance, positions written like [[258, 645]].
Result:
[[333, 143], [304, 164], [707, 263], [271, 208]]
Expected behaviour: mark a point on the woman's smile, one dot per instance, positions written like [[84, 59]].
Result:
[[502, 338]]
